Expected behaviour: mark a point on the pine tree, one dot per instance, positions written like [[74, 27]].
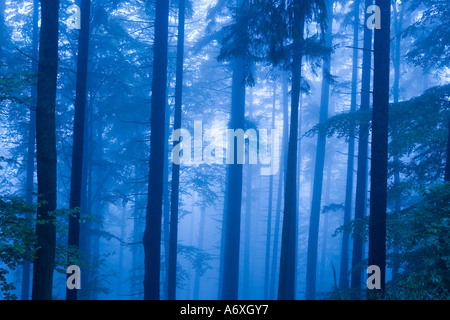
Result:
[[152, 233], [173, 242], [379, 158], [78, 135], [46, 151]]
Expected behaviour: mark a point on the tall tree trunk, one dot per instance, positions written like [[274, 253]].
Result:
[[31, 148], [286, 280], [343, 274], [232, 219], [78, 135], [152, 233], [396, 88], [361, 176], [173, 241], [269, 208], [379, 159], [313, 237], [46, 151], [283, 165]]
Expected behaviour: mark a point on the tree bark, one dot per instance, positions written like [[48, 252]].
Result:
[[361, 176], [379, 159], [286, 280], [269, 210], [78, 135], [46, 151], [152, 233]]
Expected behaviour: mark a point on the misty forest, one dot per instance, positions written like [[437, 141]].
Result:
[[224, 150]]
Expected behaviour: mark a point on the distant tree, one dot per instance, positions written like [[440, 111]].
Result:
[[173, 241], [46, 151], [313, 235], [361, 175], [343, 274], [31, 148]]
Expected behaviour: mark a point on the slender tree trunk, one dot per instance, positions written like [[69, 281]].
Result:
[[343, 275], [46, 151], [269, 210], [2, 30], [247, 232], [85, 206], [379, 159], [396, 87], [201, 233], [78, 136], [361, 176], [123, 221], [152, 233], [248, 215], [26, 271], [173, 241], [166, 202], [447, 164], [283, 164], [286, 281], [313, 237]]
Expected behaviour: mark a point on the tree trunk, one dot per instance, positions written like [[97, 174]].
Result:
[[247, 232], [379, 159], [31, 148], [283, 165], [78, 136], [396, 88], [46, 151], [361, 176], [343, 275], [2, 30], [269, 210], [152, 233], [313, 237], [201, 232], [173, 241], [232, 219], [286, 281]]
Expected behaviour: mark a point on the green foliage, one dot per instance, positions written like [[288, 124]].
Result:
[[421, 234], [15, 87], [17, 239]]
